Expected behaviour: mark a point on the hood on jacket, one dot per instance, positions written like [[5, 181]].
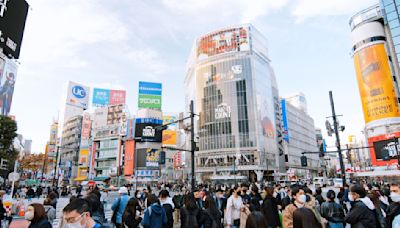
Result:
[[156, 209], [168, 201], [367, 202]]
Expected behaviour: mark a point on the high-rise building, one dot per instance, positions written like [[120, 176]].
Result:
[[299, 137], [230, 78], [375, 35], [51, 151]]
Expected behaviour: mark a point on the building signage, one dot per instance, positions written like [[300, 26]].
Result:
[[222, 111], [8, 76], [148, 132], [107, 131], [150, 95], [104, 97], [285, 121], [384, 149], [78, 95]]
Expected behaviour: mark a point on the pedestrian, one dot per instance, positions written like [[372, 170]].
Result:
[[77, 214], [220, 201], [2, 209], [178, 202], [36, 214], [154, 215], [50, 211], [393, 212], [361, 213], [30, 193], [199, 198], [233, 207], [318, 196], [131, 216], [96, 207], [213, 212], [39, 191], [286, 197], [256, 220], [169, 207], [118, 207], [191, 215], [62, 223], [299, 201], [379, 212], [332, 211], [245, 212], [304, 217], [53, 199], [270, 208]]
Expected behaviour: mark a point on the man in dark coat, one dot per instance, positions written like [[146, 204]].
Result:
[[362, 209]]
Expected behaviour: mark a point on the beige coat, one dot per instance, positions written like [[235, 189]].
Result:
[[244, 214], [287, 216]]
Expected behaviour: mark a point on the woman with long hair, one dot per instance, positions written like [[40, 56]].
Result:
[[233, 207], [256, 220], [270, 208], [213, 212], [37, 216], [131, 216], [191, 215]]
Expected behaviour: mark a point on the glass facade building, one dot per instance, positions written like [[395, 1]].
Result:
[[231, 81], [391, 12]]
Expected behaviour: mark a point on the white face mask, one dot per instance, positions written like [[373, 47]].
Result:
[[138, 196], [351, 198], [29, 215], [395, 197], [76, 224], [302, 199]]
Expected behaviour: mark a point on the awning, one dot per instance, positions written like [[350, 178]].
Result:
[[82, 178], [101, 178]]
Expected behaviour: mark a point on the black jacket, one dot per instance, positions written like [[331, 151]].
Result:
[[40, 224], [332, 211], [130, 220], [360, 216], [201, 216], [392, 212], [270, 210], [214, 215], [169, 212]]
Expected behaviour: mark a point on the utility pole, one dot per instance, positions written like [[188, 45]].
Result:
[[192, 143], [55, 166], [335, 126]]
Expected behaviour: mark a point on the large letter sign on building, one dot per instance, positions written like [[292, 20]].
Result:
[[150, 95]]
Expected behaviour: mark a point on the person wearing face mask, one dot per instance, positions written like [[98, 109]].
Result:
[[220, 201], [362, 212], [299, 201], [169, 207], [77, 214], [131, 216], [118, 206], [393, 212], [270, 208], [233, 207], [36, 214]]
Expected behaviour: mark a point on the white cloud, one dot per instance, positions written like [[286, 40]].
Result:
[[307, 9], [148, 60]]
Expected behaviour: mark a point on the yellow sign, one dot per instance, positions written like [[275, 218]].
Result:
[[169, 137], [375, 83], [83, 163]]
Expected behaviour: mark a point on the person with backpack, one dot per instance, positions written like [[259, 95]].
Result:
[[169, 207], [332, 211], [118, 207], [97, 209], [50, 211], [154, 215], [213, 213], [362, 212], [131, 216], [191, 215]]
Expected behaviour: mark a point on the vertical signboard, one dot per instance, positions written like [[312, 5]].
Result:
[[8, 76], [375, 83], [129, 158], [285, 121], [150, 95], [78, 95]]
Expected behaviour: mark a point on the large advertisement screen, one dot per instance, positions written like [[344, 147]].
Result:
[[375, 83], [104, 97], [129, 158], [152, 158], [384, 149], [12, 26], [169, 138], [150, 95], [8, 76], [224, 41], [148, 132], [285, 121], [78, 95]]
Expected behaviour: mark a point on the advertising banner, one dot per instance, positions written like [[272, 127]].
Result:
[[150, 95], [115, 114], [285, 121], [169, 138], [92, 159], [385, 149], [117, 97], [100, 117], [8, 75], [53, 134], [129, 163], [147, 132], [86, 126], [375, 83], [152, 158], [148, 173], [101, 97], [170, 120], [78, 95], [223, 41]]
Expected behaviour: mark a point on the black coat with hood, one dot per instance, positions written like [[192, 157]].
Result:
[[362, 214]]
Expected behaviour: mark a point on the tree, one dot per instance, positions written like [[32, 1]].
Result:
[[8, 131], [32, 163]]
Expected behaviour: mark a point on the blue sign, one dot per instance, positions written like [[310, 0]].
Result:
[[148, 120], [78, 92], [101, 97], [285, 121], [150, 88]]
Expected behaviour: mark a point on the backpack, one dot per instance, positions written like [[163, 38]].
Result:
[[169, 212]]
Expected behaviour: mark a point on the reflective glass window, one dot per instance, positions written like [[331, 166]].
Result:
[[391, 16], [394, 23], [390, 8]]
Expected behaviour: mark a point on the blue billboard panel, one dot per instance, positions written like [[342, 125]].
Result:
[[285, 121], [101, 97], [150, 88]]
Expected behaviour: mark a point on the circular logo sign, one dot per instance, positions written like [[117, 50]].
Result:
[[78, 92]]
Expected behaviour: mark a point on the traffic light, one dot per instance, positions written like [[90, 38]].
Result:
[[303, 160], [162, 158]]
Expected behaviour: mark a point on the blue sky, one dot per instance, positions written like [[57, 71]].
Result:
[[116, 44]]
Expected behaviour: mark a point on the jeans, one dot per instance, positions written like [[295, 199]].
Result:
[[335, 225]]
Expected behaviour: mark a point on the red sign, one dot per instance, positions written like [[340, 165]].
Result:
[[86, 126], [117, 97], [93, 155], [384, 149], [129, 163]]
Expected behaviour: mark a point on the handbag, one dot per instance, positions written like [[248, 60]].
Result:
[[115, 212]]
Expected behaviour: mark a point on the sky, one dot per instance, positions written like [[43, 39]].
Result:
[[116, 45]]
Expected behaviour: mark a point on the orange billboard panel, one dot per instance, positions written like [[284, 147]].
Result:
[[129, 163], [384, 149], [375, 83], [169, 137]]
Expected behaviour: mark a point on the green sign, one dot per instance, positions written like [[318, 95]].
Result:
[[149, 101]]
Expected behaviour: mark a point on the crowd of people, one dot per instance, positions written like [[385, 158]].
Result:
[[241, 206]]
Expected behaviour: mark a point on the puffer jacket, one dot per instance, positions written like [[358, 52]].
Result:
[[332, 211], [361, 214]]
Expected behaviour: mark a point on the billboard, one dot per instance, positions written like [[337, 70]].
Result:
[[104, 97], [375, 83], [129, 158], [152, 158], [53, 134], [285, 121], [384, 149], [147, 132], [169, 137], [78, 95], [83, 163], [150, 95], [223, 41], [12, 25], [86, 126], [169, 120], [8, 75], [100, 117], [115, 114]]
